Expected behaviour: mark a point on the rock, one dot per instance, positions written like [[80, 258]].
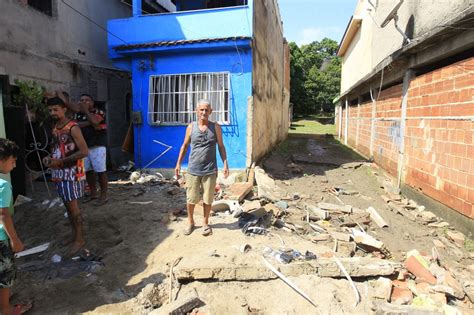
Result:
[[251, 205], [401, 296], [282, 205], [428, 217], [441, 224], [321, 237], [457, 237], [266, 186], [152, 295], [382, 288], [438, 243], [468, 287]]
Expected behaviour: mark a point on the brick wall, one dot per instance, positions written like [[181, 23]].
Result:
[[439, 146]]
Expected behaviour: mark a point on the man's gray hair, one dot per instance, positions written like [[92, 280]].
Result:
[[204, 101]]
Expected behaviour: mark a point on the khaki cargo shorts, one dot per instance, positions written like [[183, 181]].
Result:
[[194, 184]]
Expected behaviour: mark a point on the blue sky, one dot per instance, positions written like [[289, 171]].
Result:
[[305, 21]]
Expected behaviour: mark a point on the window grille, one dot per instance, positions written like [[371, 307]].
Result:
[[173, 98]]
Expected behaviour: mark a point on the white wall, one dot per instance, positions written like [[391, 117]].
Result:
[[372, 44]]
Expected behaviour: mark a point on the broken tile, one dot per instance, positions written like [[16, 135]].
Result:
[[421, 272], [251, 205], [238, 191], [401, 296]]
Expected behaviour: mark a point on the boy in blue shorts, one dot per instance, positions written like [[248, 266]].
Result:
[[67, 166], [10, 243]]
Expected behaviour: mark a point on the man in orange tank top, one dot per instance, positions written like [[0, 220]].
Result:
[[67, 166]]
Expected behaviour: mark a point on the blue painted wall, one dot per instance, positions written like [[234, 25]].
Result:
[[184, 59], [192, 62]]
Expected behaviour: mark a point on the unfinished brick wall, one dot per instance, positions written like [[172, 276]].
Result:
[[439, 146]]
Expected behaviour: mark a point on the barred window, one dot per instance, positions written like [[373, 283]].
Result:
[[173, 98]]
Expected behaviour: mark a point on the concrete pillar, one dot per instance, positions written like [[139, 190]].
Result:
[[401, 153], [137, 7], [359, 100], [372, 127], [346, 126]]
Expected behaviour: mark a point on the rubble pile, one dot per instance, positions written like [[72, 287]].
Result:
[[418, 282]]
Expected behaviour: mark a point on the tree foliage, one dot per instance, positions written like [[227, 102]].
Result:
[[315, 76]]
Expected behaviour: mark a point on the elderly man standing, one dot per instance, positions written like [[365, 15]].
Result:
[[203, 136]]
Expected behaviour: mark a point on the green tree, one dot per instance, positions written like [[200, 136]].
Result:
[[315, 76]]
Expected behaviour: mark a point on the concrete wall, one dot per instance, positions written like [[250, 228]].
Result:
[[372, 44], [66, 51], [438, 143], [269, 108]]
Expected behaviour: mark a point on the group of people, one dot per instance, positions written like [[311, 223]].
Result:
[[78, 151]]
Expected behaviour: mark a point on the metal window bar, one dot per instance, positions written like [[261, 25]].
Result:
[[172, 98]]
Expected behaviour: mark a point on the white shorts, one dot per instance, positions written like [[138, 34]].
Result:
[[96, 160]]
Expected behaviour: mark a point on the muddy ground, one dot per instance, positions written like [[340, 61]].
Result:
[[136, 243]]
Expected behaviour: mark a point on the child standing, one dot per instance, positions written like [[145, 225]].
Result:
[[10, 243], [67, 166]]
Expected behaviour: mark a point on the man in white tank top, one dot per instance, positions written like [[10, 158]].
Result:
[[203, 136]]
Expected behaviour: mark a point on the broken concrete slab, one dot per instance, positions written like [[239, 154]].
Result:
[[320, 213], [251, 205], [225, 270], [266, 186], [238, 191], [381, 288], [340, 236], [384, 308]]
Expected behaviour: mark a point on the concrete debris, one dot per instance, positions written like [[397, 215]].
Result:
[[381, 288], [266, 186], [384, 308], [377, 217], [441, 224], [318, 212], [153, 295], [457, 237], [428, 217], [183, 305], [238, 191], [221, 270], [468, 287], [223, 205], [335, 208], [251, 205]]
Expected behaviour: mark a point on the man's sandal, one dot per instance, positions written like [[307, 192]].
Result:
[[207, 231], [189, 230]]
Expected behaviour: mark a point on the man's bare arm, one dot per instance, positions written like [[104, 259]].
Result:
[[183, 150], [222, 151]]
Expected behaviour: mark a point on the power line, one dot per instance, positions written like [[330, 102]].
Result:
[[92, 21]]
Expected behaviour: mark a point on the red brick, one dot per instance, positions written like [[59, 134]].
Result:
[[468, 209], [470, 196], [462, 179]]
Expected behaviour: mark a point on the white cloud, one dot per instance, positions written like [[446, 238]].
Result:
[[311, 34]]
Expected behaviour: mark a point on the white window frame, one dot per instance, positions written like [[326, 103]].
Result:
[[168, 106]]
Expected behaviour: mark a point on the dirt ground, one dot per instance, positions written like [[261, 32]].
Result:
[[135, 243]]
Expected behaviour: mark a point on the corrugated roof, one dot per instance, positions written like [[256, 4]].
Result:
[[178, 42]]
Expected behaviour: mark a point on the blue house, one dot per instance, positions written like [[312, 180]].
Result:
[[231, 52]]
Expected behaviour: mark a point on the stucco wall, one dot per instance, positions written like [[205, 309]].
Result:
[[270, 106], [372, 44], [66, 51]]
